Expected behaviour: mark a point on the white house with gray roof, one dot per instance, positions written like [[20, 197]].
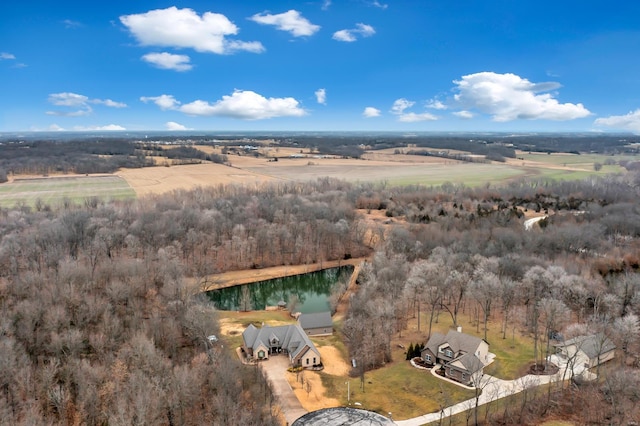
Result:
[[461, 355], [291, 340], [592, 349]]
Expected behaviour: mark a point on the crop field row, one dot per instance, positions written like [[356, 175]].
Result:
[[53, 190]]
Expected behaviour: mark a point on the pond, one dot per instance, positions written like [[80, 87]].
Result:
[[308, 292]]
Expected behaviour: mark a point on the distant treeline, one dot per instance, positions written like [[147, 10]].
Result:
[[106, 155], [494, 147], [89, 156], [447, 155]]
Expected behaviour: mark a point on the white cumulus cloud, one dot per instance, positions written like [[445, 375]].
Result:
[[464, 114], [5, 55], [376, 3], [508, 97], [370, 112], [172, 125], [55, 128], [351, 35], [242, 104], [184, 28], [70, 24], [436, 104], [79, 104], [68, 99], [321, 96], [412, 117], [109, 103], [108, 127], [291, 21], [165, 102], [630, 121], [77, 113], [400, 105], [168, 61]]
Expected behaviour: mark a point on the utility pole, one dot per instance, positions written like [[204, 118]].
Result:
[[348, 393]]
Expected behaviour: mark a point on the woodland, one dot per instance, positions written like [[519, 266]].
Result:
[[102, 322]]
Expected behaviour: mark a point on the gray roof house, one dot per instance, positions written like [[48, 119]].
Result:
[[291, 340], [461, 355], [318, 324], [593, 349]]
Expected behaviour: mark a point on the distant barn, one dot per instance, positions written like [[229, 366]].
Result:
[[318, 324]]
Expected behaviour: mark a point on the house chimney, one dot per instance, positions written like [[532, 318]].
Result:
[[459, 329]]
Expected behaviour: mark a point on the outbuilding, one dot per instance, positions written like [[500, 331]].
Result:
[[317, 324]]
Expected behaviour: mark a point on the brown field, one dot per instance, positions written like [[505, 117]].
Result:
[[157, 180], [383, 166], [255, 171]]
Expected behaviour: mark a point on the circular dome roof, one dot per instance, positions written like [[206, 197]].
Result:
[[342, 416]]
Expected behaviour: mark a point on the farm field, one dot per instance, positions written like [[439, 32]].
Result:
[[255, 171], [53, 190], [382, 166]]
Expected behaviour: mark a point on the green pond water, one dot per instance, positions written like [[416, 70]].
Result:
[[310, 292]]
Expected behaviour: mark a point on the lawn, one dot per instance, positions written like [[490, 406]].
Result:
[[53, 191], [398, 388], [513, 354]]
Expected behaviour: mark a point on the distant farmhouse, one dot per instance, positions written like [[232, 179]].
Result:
[[592, 350], [319, 324], [291, 340], [461, 355]]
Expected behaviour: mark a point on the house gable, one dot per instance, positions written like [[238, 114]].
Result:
[[460, 354], [290, 339], [597, 348]]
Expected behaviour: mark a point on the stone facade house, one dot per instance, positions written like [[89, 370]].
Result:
[[461, 355], [290, 340], [318, 324]]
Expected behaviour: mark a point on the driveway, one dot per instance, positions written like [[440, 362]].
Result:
[[274, 370], [493, 389]]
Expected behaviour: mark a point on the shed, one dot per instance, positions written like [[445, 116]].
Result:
[[317, 324]]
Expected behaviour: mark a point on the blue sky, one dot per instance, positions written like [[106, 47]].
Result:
[[418, 65]]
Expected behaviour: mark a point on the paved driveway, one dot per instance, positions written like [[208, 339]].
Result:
[[274, 370], [493, 389]]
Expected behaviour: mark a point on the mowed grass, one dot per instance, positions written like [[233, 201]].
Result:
[[53, 191], [398, 388], [514, 354]]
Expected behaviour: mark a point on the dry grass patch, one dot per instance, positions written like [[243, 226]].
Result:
[[308, 387], [333, 361], [158, 180]]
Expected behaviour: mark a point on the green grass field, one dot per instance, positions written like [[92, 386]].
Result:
[[470, 174], [573, 160], [398, 388], [54, 190]]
